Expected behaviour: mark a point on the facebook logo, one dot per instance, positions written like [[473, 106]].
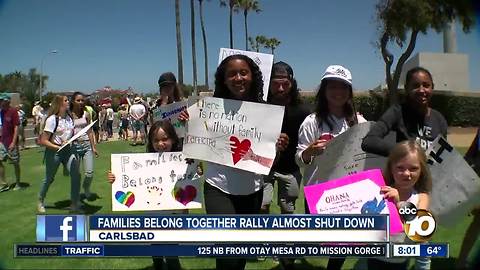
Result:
[[53, 228]]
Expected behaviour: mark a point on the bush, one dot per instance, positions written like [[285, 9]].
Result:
[[458, 110]]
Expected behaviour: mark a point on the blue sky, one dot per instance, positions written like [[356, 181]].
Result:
[[125, 43]]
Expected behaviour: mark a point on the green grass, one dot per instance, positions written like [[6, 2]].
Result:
[[18, 220]]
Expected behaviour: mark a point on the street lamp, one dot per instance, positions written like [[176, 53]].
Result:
[[40, 90]]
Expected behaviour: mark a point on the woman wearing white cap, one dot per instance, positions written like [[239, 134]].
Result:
[[334, 114]]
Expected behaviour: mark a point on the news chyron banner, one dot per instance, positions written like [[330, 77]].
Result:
[[239, 228], [209, 236]]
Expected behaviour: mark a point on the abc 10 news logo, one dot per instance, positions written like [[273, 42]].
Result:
[[418, 224]]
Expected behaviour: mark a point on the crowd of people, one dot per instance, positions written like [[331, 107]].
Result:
[[306, 133]]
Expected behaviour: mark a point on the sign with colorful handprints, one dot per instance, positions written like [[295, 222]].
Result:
[[155, 181], [234, 133], [263, 60], [170, 112], [353, 194]]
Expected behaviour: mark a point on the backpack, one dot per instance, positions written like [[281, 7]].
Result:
[[57, 119]]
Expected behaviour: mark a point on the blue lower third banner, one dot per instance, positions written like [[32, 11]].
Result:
[[209, 250]]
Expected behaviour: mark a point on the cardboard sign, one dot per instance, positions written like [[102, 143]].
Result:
[[455, 186], [170, 112], [344, 156], [234, 133], [353, 194], [263, 60], [155, 181]]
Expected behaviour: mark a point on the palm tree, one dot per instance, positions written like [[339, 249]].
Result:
[[232, 5], [204, 36], [260, 41], [179, 42], [248, 5], [194, 54], [253, 45], [272, 43]]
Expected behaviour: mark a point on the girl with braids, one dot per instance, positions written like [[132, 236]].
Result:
[[334, 114]]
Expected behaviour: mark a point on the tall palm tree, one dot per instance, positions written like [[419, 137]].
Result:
[[204, 36], [247, 6], [232, 5], [194, 54], [179, 42], [272, 43]]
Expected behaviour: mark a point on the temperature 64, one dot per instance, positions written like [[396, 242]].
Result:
[[434, 250]]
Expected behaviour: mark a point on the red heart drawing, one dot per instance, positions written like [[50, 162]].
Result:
[[185, 195], [239, 149]]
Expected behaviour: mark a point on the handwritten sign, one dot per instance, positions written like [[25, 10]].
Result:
[[170, 112], [155, 181], [234, 133], [344, 156], [353, 194], [263, 60], [455, 187]]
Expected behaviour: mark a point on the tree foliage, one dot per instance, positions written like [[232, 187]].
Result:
[[247, 6], [25, 84], [400, 22]]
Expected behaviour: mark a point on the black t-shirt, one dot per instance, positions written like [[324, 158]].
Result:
[[292, 119], [407, 124]]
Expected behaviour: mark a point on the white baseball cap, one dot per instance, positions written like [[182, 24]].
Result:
[[339, 73]]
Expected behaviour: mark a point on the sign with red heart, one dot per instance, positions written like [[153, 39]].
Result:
[[233, 133], [155, 181]]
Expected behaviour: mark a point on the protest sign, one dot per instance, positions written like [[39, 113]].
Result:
[[77, 135], [155, 181], [455, 186], [234, 133], [170, 112], [358, 193], [344, 156], [263, 60]]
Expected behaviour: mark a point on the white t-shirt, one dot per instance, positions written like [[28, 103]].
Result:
[[137, 110], [64, 129], [232, 180], [311, 131], [37, 112], [110, 114], [80, 123]]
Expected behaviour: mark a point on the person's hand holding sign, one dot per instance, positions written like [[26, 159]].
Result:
[[316, 148]]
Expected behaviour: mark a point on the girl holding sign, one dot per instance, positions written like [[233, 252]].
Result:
[[84, 146], [414, 119], [161, 138], [409, 180], [334, 114], [58, 130], [230, 190]]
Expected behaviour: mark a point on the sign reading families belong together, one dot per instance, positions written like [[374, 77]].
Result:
[[234, 133], [155, 181]]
